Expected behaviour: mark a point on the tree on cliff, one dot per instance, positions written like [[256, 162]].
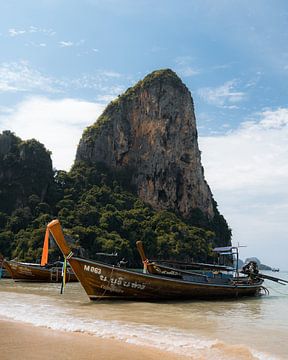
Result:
[[25, 170], [137, 176]]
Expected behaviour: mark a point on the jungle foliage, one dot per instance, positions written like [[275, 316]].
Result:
[[96, 207]]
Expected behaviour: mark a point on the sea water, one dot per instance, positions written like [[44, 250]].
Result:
[[250, 328]]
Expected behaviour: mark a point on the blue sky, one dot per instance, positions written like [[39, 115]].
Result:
[[62, 61]]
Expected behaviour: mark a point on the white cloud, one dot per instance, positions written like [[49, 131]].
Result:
[[22, 77], [184, 68], [277, 119], [19, 76], [58, 124], [5, 110], [105, 98], [188, 71], [66, 43], [13, 32], [102, 82], [224, 95], [111, 74], [247, 170], [36, 44]]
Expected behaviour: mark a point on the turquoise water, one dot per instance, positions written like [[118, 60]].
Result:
[[254, 328]]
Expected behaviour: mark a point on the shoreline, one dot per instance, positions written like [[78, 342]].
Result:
[[25, 341]]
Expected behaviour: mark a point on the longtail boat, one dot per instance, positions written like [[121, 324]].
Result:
[[21, 271], [43, 272], [104, 281]]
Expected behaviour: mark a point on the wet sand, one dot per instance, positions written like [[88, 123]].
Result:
[[22, 341]]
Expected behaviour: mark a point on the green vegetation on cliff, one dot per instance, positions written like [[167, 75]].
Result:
[[25, 170], [96, 207]]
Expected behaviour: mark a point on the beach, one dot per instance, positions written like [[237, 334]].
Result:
[[37, 322], [24, 341]]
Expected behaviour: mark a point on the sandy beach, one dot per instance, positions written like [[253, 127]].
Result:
[[39, 323], [23, 341]]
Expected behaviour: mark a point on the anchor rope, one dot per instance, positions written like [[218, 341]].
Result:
[[64, 271], [99, 298]]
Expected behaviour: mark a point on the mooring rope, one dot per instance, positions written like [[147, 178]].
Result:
[[266, 291], [64, 271], [99, 298]]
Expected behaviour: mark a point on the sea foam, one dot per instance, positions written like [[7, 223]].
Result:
[[44, 311]]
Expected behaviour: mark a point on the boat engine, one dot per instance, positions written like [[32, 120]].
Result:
[[251, 269]]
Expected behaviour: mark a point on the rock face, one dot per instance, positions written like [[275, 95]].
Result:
[[25, 170], [151, 131]]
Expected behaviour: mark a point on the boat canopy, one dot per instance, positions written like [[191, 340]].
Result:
[[225, 249]]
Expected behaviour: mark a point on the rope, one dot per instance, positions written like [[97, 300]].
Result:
[[64, 271], [64, 274], [266, 291], [69, 255], [105, 290]]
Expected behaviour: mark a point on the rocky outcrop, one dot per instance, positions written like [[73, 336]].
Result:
[[25, 170], [151, 131]]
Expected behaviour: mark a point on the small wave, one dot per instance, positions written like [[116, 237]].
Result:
[[239, 352], [44, 311]]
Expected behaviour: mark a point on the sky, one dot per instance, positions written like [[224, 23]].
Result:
[[62, 62]]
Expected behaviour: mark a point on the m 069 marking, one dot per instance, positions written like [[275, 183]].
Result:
[[92, 269]]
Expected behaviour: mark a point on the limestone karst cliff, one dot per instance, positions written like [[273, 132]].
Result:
[[150, 130], [143, 145], [25, 170]]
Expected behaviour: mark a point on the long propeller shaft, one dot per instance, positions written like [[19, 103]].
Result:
[[272, 278]]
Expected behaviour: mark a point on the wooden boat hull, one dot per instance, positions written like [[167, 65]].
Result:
[[102, 281], [24, 272]]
